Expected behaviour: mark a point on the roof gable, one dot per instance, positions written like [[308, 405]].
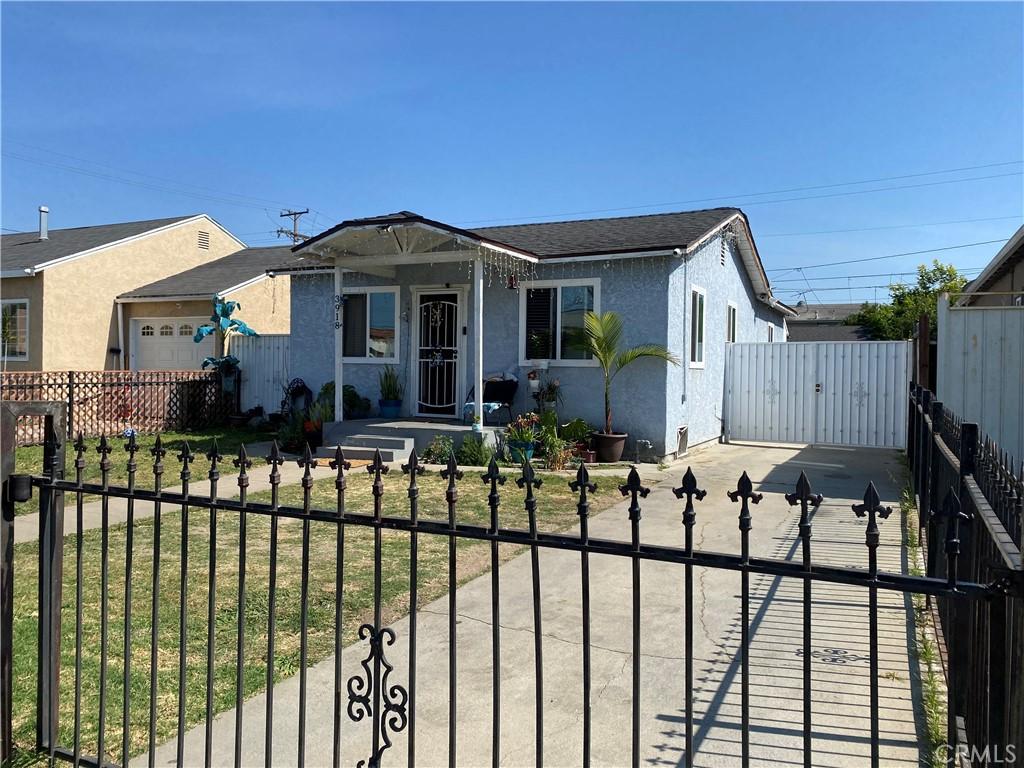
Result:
[[25, 252]]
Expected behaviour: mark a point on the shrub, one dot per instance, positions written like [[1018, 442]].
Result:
[[474, 452], [439, 450]]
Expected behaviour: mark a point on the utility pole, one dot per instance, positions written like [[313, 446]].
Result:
[[294, 232]]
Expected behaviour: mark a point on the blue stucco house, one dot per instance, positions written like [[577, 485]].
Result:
[[450, 308]]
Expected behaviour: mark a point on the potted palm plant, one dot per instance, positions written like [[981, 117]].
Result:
[[390, 393], [602, 337]]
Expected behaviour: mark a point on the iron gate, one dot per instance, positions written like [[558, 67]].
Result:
[[822, 392], [384, 691]]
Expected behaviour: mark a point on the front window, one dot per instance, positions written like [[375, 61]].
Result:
[[15, 329], [697, 328], [371, 325], [551, 319]]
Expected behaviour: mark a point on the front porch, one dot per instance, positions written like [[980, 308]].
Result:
[[395, 438]]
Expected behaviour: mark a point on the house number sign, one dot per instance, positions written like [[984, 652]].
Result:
[[339, 302]]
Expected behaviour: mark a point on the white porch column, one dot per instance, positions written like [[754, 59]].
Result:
[[339, 340], [478, 339]]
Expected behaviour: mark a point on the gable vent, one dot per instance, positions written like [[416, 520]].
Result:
[[204, 240], [722, 251]]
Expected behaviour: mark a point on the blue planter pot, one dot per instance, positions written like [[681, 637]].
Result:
[[521, 452], [390, 409]]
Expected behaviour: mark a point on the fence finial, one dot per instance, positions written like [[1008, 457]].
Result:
[[634, 489], [451, 472], [582, 485], [413, 468]]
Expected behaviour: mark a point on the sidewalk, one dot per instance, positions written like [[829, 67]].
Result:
[[840, 642]]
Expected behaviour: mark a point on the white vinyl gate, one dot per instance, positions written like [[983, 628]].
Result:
[[825, 392], [263, 361]]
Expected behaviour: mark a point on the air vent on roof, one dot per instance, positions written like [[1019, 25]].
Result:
[[204, 240]]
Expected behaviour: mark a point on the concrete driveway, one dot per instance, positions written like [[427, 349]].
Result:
[[840, 642]]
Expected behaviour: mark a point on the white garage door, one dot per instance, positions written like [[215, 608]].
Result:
[[165, 344]]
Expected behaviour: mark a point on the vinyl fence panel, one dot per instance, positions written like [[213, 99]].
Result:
[[981, 370], [263, 361], [830, 393]]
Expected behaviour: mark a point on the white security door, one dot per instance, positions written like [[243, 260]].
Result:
[[165, 344], [829, 392]]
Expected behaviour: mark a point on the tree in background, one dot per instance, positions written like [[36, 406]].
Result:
[[898, 319]]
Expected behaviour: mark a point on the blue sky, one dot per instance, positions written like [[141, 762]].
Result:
[[475, 113]]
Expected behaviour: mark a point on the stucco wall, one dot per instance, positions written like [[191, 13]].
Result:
[[79, 313], [265, 306], [636, 290], [30, 288], [1012, 281], [695, 396]]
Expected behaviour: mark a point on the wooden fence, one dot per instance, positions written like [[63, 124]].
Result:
[[109, 402]]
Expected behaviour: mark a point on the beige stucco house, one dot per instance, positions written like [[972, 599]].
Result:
[[1001, 283], [68, 302]]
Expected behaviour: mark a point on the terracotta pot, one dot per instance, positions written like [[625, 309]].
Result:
[[609, 446]]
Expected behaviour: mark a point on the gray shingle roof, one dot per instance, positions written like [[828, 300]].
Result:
[[216, 276], [24, 250], [622, 234], [810, 313], [806, 331], [582, 237]]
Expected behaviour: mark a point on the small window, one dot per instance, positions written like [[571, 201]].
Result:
[[730, 327], [771, 333], [697, 327], [370, 325], [147, 330], [166, 330], [551, 317], [204, 240], [185, 329], [15, 329]]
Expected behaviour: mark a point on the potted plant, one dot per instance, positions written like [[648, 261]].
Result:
[[577, 432], [390, 393], [602, 337], [520, 435], [313, 425], [477, 427]]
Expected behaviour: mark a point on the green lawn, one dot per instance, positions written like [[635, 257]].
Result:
[[556, 511], [29, 459]]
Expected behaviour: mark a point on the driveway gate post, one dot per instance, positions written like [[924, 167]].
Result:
[[51, 579]]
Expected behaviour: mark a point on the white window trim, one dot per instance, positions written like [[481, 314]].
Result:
[[366, 360], [694, 288], [524, 361], [736, 327], [28, 331]]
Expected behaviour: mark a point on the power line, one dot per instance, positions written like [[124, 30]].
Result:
[[146, 175], [780, 192], [879, 258], [239, 200], [892, 226], [874, 274]]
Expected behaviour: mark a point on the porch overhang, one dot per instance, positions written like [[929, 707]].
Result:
[[383, 242]]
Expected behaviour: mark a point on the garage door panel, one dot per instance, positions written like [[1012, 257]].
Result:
[[166, 344]]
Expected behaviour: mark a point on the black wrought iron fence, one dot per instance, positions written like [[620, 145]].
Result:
[[971, 498], [387, 696]]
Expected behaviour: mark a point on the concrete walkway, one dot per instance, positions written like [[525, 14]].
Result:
[[840, 642]]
